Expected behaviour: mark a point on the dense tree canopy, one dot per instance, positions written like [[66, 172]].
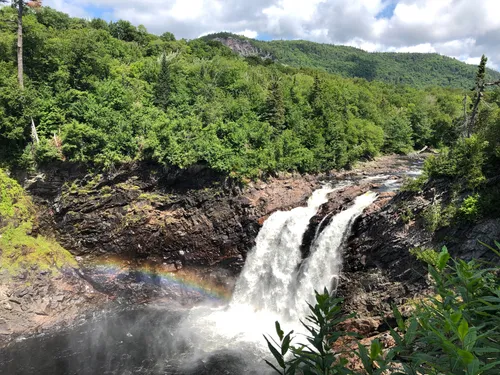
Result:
[[414, 69], [106, 93]]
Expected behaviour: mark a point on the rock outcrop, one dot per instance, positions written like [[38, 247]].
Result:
[[379, 269], [243, 47], [39, 300], [183, 218]]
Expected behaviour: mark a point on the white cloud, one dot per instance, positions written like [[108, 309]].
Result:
[[473, 60], [248, 33], [364, 45], [70, 7], [420, 48], [463, 29]]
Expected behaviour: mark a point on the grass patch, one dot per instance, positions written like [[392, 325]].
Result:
[[19, 249]]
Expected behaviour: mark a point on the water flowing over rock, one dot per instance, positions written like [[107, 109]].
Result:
[[275, 278], [276, 283], [268, 279], [322, 268]]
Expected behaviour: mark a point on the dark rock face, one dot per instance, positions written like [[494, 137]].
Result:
[[188, 218], [176, 217], [378, 268]]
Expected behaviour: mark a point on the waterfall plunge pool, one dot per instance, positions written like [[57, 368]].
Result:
[[275, 284]]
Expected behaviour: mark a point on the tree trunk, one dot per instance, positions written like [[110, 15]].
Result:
[[479, 95], [20, 78], [34, 133]]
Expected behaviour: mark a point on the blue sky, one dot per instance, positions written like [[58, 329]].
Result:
[[96, 11], [464, 29], [387, 11]]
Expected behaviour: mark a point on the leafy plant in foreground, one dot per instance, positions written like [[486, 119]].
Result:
[[316, 356], [456, 331]]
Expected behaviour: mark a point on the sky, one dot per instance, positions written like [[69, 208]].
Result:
[[464, 29]]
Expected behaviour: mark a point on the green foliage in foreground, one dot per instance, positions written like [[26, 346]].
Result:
[[457, 331], [109, 93], [19, 248]]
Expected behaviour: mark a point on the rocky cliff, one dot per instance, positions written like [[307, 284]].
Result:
[[380, 264], [179, 217], [185, 220], [243, 47]]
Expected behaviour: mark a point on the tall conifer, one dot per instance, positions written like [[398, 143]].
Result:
[[162, 89]]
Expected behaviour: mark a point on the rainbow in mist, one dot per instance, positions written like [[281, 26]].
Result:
[[192, 282]]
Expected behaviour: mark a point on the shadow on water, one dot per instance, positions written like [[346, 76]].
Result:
[[139, 340]]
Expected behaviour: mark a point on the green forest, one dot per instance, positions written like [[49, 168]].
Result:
[[420, 70], [104, 93]]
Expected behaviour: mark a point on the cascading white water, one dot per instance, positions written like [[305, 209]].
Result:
[[270, 279], [263, 293], [325, 261], [271, 287], [267, 281]]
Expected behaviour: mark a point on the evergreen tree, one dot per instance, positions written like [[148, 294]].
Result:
[[481, 71], [315, 97], [293, 94], [162, 89], [275, 106]]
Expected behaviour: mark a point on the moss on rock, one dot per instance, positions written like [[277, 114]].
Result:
[[20, 249]]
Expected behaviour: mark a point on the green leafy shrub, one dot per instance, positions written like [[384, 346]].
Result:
[[464, 162], [316, 356], [47, 151], [437, 216], [406, 215], [432, 216], [455, 331], [414, 185], [428, 256], [470, 208]]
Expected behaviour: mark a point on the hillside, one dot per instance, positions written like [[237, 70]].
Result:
[[103, 94], [415, 69]]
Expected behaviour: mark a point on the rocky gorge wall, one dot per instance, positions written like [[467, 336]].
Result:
[[190, 217], [380, 263], [181, 219]]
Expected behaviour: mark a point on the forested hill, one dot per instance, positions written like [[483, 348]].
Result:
[[415, 69], [104, 93]]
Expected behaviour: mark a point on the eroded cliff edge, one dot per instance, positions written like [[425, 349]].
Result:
[[178, 217]]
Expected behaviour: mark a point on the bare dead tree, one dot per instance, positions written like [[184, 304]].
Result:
[[20, 6], [478, 95]]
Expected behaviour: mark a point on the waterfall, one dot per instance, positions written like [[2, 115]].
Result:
[[322, 267], [270, 280], [271, 287], [268, 277]]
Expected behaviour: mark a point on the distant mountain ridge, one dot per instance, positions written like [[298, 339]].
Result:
[[415, 69]]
